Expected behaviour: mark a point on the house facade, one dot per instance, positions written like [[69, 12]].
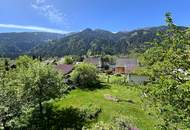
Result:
[[125, 65]]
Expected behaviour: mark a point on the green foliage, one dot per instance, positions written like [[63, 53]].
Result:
[[68, 60], [85, 75], [10, 96], [100, 42], [103, 126], [77, 58], [118, 79], [28, 85], [118, 123], [58, 119], [40, 82], [24, 62], [109, 59], [168, 66], [110, 109]]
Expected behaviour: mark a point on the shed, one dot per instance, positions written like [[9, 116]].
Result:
[[125, 65]]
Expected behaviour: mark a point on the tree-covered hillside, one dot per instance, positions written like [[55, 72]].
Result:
[[95, 42], [88, 41], [14, 44]]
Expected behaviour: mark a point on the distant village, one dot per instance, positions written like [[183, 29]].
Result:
[[120, 66]]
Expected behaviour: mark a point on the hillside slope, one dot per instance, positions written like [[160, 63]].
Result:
[[88, 41], [14, 44], [99, 42]]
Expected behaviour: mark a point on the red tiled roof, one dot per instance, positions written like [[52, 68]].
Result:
[[64, 68]]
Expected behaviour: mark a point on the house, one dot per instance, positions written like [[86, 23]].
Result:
[[95, 61], [64, 68], [125, 65]]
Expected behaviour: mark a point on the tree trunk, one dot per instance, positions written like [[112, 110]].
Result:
[[4, 125], [41, 125], [41, 110]]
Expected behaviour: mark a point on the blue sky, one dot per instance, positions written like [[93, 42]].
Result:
[[64, 16]]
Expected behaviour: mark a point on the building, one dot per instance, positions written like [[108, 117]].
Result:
[[64, 68], [125, 65], [95, 61]]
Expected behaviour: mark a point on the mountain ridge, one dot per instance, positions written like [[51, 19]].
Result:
[[91, 41]]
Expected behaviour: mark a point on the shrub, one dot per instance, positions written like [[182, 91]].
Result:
[[122, 122], [118, 75], [68, 60], [85, 75], [103, 126], [118, 123]]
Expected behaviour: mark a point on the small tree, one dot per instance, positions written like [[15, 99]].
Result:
[[85, 75], [40, 82], [68, 60], [109, 59]]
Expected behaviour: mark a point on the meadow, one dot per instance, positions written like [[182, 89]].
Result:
[[130, 104]]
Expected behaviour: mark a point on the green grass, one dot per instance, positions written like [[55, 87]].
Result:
[[141, 118], [112, 78]]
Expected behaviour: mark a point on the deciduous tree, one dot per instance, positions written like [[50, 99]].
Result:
[[85, 75], [168, 66]]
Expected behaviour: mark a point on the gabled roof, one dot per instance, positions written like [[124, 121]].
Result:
[[64, 68], [125, 62], [93, 60]]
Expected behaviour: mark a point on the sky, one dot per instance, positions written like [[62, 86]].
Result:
[[64, 16]]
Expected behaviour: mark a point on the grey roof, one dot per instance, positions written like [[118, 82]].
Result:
[[94, 60], [64, 68], [125, 62]]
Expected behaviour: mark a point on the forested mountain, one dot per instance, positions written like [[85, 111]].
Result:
[[14, 44], [99, 41], [88, 41]]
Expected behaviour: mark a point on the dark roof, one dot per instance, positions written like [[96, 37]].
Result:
[[64, 68], [94, 60], [125, 62]]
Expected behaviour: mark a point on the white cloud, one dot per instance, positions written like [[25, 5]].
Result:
[[40, 1], [35, 28], [48, 10]]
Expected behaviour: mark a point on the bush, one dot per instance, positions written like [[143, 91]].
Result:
[[122, 122], [85, 75], [118, 75], [68, 60], [103, 126], [118, 123]]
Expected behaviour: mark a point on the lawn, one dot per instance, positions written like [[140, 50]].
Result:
[[133, 111]]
